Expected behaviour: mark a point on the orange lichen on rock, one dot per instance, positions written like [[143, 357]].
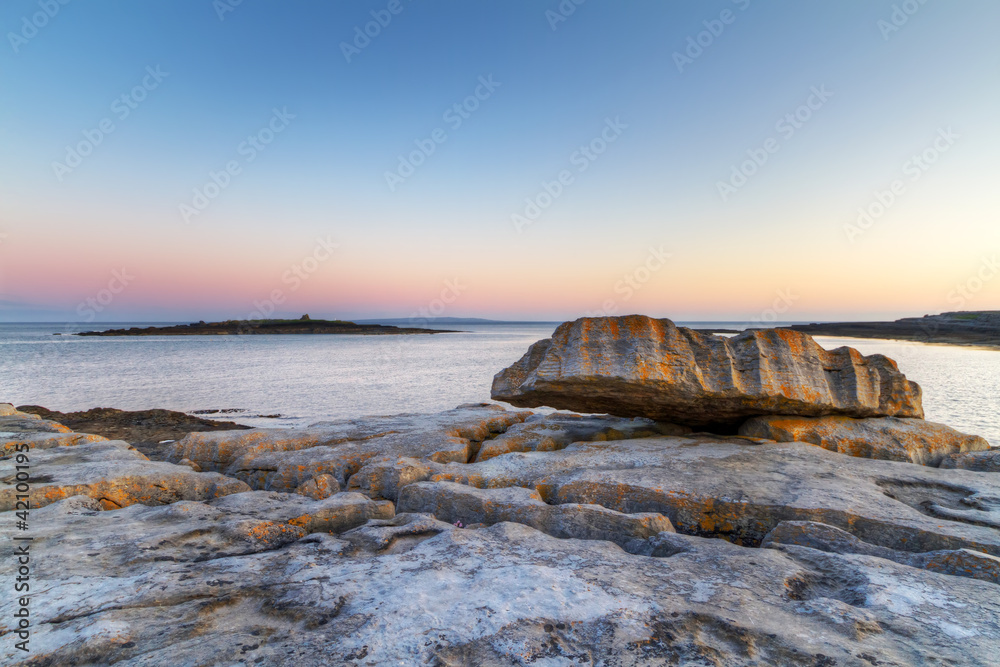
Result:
[[636, 366], [888, 438]]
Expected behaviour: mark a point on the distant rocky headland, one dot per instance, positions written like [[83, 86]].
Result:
[[304, 325], [959, 328]]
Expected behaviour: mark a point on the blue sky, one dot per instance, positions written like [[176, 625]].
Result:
[[891, 89]]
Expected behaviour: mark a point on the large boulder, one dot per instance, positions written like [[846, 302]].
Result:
[[637, 366], [888, 438]]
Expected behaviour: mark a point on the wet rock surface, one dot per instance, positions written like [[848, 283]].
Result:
[[584, 539], [889, 438], [636, 366]]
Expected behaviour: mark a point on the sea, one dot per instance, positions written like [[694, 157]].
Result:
[[296, 380]]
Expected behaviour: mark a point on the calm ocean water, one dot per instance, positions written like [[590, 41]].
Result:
[[309, 378]]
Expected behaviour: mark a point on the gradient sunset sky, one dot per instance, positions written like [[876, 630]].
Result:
[[670, 98]]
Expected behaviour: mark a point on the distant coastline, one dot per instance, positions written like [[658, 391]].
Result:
[[971, 328], [449, 321]]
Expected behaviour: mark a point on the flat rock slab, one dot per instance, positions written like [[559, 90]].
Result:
[[116, 542], [957, 562], [988, 461], [112, 472], [10, 442], [80, 538], [547, 433], [284, 459], [332, 515], [384, 476], [888, 438], [460, 503], [741, 489], [23, 422], [504, 595], [636, 366]]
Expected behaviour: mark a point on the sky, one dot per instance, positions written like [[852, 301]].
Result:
[[177, 160]]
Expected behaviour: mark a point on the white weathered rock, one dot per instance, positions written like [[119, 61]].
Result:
[[987, 461], [741, 489], [957, 562], [112, 472], [254, 577], [469, 505], [548, 433], [335, 514], [888, 438], [9, 441], [507, 594], [285, 459]]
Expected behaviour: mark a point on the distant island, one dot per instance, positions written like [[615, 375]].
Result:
[[450, 321], [304, 325], [981, 328]]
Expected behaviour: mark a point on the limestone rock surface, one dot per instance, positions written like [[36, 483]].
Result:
[[415, 591], [113, 473], [44, 440], [13, 421], [742, 489], [636, 366], [146, 430], [956, 562], [889, 438], [469, 505], [335, 514], [285, 459], [897, 567], [8, 410], [546, 433], [987, 461]]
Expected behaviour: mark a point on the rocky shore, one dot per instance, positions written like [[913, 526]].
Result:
[[978, 328], [753, 500]]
